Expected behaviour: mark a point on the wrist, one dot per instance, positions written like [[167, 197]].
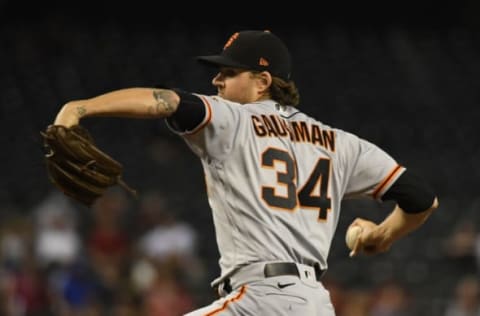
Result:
[[387, 234], [70, 114]]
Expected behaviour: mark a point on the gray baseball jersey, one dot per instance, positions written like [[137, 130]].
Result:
[[276, 177]]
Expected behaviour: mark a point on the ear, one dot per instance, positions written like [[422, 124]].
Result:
[[264, 80]]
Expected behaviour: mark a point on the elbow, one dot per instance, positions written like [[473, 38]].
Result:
[[431, 209], [426, 213]]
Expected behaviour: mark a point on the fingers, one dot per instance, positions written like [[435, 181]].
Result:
[[370, 249], [363, 222], [357, 247], [366, 241], [358, 242]]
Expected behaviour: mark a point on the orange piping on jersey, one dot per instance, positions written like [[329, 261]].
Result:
[[208, 116], [387, 180], [233, 299]]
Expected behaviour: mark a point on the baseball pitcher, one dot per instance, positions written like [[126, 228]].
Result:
[[275, 177]]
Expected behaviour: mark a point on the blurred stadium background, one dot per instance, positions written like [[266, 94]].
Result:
[[405, 76]]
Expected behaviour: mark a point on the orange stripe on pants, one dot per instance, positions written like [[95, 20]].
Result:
[[243, 289]]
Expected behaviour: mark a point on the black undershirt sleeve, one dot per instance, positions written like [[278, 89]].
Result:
[[411, 193], [190, 112]]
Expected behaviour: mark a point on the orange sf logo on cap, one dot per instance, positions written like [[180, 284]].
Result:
[[230, 40]]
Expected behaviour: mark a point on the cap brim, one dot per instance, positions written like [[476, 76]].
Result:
[[220, 61]]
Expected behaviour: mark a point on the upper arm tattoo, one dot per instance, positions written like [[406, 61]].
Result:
[[165, 102]]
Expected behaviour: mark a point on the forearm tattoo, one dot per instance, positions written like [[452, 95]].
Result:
[[164, 103], [81, 111]]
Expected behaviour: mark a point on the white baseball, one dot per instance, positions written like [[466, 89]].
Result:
[[351, 236]]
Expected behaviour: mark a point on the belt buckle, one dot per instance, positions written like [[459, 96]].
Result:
[[307, 272]]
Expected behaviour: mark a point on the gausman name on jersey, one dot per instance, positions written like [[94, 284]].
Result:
[[298, 131]]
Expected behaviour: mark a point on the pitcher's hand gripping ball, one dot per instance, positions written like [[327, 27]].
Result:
[[353, 233]]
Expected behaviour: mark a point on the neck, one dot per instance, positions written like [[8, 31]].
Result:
[[264, 96]]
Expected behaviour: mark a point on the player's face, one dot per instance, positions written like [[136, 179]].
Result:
[[237, 85]]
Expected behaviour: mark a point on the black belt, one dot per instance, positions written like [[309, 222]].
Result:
[[277, 269], [288, 268]]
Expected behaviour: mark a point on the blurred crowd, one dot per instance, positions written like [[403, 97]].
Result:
[[115, 260], [136, 258]]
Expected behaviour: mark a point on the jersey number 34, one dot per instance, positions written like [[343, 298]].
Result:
[[312, 195]]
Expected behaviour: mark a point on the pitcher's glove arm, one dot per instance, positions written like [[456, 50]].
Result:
[[77, 167]]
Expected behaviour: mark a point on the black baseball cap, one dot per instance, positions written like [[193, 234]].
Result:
[[253, 50]]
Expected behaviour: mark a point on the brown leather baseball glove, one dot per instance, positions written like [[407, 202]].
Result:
[[77, 167]]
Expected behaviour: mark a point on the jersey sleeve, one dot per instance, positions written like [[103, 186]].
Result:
[[214, 136], [369, 170], [189, 114]]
